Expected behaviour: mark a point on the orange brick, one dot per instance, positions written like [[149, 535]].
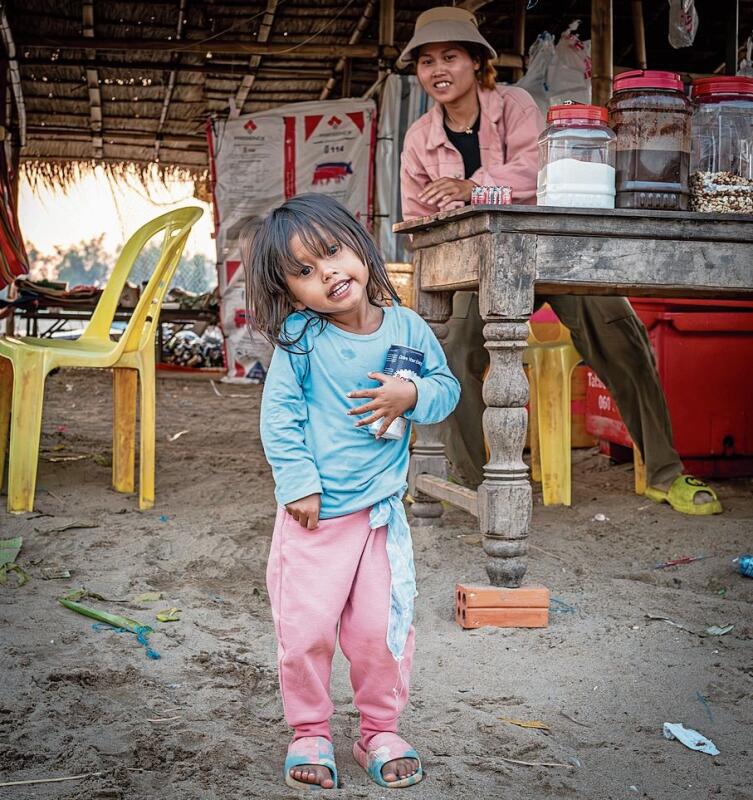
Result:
[[501, 597], [502, 617]]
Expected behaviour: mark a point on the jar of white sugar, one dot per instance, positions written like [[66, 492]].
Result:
[[576, 158]]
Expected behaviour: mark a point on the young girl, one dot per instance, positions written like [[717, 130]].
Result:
[[482, 133], [341, 557]]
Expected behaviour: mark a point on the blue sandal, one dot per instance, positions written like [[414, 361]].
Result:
[[385, 747], [313, 750]]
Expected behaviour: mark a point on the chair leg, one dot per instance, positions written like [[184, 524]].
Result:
[[25, 430], [554, 410], [147, 450], [124, 388], [533, 418], [639, 468], [6, 396]]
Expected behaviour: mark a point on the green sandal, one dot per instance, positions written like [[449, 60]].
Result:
[[680, 496]]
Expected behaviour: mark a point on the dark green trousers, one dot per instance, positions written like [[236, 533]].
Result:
[[611, 340]]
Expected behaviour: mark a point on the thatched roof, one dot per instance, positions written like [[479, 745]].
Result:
[[142, 89]]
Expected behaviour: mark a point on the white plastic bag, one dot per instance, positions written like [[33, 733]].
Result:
[[540, 56], [683, 23], [746, 65], [569, 76]]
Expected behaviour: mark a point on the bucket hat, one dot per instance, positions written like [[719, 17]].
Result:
[[444, 24]]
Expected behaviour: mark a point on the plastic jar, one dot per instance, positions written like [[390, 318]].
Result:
[[650, 115], [576, 158], [721, 159]]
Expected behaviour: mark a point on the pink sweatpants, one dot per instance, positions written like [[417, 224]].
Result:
[[337, 573]]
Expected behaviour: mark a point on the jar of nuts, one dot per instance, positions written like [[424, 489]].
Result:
[[721, 158]]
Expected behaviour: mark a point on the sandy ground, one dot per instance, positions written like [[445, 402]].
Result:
[[205, 721]]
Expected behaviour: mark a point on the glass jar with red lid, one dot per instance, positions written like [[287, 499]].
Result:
[[721, 160], [650, 115], [576, 158]]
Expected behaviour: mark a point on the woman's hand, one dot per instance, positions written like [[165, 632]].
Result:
[[443, 191], [388, 401], [305, 511]]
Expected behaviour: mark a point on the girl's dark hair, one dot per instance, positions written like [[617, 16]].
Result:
[[268, 259]]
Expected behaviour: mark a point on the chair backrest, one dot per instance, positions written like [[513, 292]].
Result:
[[175, 225]]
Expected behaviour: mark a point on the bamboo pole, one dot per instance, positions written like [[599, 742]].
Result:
[[601, 51], [639, 34], [213, 46], [386, 34], [733, 23], [519, 37]]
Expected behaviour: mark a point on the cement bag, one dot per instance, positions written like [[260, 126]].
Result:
[[569, 73], [248, 353], [540, 56], [683, 23]]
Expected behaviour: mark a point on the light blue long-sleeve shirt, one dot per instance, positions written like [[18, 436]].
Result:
[[310, 442]]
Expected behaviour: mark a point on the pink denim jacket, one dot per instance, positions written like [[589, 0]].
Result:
[[508, 133]]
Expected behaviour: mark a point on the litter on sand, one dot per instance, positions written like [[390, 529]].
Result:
[[718, 630], [690, 738], [169, 615], [9, 550], [658, 618], [147, 597], [536, 763], [521, 723], [67, 526], [676, 562], [55, 574], [114, 620]]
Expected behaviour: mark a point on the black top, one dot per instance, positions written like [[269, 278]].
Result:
[[467, 145]]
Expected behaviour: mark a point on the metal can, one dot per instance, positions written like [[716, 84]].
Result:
[[405, 362], [491, 196], [745, 565]]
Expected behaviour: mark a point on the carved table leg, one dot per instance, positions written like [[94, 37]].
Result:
[[504, 498], [427, 455]]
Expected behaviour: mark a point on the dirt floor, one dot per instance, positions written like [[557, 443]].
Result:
[[205, 720]]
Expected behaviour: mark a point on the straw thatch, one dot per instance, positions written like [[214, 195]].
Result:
[[155, 98]]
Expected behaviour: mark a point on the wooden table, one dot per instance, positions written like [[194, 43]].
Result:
[[507, 253], [60, 316]]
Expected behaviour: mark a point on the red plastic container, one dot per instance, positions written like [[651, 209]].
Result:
[[704, 354]]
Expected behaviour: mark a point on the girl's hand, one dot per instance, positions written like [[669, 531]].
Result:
[[305, 511], [388, 401], [446, 190]]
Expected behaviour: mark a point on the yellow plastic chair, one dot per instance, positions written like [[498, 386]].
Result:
[[26, 362], [551, 363]]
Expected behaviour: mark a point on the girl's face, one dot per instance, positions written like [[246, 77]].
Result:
[[333, 284], [446, 71]]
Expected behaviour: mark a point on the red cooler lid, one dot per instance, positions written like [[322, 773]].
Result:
[[647, 79], [722, 84], [577, 111]]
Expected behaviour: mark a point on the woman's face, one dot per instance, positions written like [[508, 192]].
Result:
[[446, 71]]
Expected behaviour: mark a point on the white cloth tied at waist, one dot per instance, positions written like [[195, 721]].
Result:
[[391, 512]]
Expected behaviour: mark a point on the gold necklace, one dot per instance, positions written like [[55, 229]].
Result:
[[467, 128]]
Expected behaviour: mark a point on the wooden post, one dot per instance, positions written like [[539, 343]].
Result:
[[639, 34], [386, 33], [733, 20], [601, 51], [519, 37], [347, 78]]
